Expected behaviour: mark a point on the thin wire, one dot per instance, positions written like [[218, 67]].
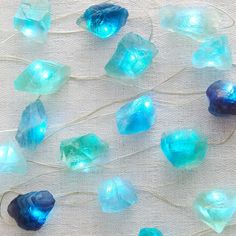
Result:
[[8, 38]]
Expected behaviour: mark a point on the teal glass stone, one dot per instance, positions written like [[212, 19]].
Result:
[[216, 208], [42, 77], [150, 232], [82, 152], [33, 19], [132, 58], [184, 148], [214, 52], [137, 116], [196, 22], [116, 195], [33, 125]]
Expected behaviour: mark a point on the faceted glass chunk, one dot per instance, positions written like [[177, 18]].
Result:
[[133, 57], [81, 152], [184, 148], [196, 22], [222, 98], [33, 125], [216, 208], [104, 20], [136, 116], [214, 52], [150, 232], [116, 194], [33, 19], [42, 77]]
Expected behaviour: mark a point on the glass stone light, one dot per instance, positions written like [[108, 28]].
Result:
[[33, 19], [196, 22], [116, 195], [137, 116], [42, 77], [216, 208], [150, 232], [132, 58], [214, 52], [184, 148], [104, 20]]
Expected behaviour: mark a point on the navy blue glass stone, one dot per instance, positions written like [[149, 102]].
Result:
[[31, 210], [222, 98], [104, 20]]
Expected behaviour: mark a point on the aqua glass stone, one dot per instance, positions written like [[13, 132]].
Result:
[[137, 116], [33, 19], [150, 232], [33, 125], [116, 195], [42, 77], [196, 22], [216, 208], [184, 148], [132, 58], [214, 52], [82, 152], [104, 20], [11, 160]]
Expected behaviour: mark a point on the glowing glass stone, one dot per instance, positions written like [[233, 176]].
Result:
[[214, 52], [222, 98], [33, 19], [150, 232], [216, 208], [184, 148], [104, 20], [81, 152], [33, 125], [116, 195], [42, 77], [11, 160], [133, 57], [196, 22], [136, 116]]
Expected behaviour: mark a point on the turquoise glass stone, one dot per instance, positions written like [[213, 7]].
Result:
[[216, 208], [184, 148], [150, 232], [33, 19], [196, 22], [33, 125], [42, 77], [104, 20], [116, 195], [214, 52], [79, 153], [136, 116], [132, 58]]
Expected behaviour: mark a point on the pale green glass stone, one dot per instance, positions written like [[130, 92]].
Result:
[[42, 77]]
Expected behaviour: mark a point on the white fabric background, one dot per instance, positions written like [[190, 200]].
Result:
[[76, 215]]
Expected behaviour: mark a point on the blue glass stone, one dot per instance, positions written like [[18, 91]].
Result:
[[150, 232], [136, 116], [214, 52], [31, 210], [116, 194], [184, 148], [104, 20], [216, 208], [132, 58], [33, 19], [33, 125], [222, 98]]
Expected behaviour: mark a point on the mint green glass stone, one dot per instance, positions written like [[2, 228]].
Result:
[[184, 148], [42, 77], [214, 52], [81, 152], [33, 19], [216, 208], [150, 232]]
